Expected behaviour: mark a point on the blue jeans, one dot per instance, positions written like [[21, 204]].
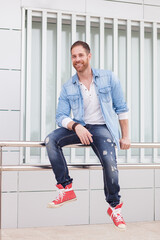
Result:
[[102, 145]]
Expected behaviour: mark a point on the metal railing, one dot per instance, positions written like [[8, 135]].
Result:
[[27, 167]]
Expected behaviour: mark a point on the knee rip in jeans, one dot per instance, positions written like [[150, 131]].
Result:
[[113, 168], [104, 152], [47, 140]]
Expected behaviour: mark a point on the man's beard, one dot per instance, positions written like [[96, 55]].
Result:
[[81, 68]]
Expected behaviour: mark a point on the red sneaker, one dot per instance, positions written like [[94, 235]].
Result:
[[65, 195], [115, 214]]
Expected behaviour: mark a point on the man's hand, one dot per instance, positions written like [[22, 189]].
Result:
[[84, 135], [124, 143]]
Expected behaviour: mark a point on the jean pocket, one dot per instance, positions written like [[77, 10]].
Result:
[[74, 101], [105, 94]]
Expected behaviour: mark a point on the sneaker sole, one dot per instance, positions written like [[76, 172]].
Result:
[[118, 228], [51, 205]]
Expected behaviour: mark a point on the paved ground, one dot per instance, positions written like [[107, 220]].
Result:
[[135, 231]]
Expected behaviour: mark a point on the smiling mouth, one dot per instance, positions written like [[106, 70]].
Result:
[[79, 65]]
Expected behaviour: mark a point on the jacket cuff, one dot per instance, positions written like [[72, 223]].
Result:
[[65, 122], [122, 116]]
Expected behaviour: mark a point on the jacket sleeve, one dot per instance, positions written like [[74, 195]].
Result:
[[119, 103], [63, 108]]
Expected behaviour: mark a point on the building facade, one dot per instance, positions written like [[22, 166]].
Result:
[[35, 40]]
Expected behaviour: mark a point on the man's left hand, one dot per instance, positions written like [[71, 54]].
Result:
[[124, 143]]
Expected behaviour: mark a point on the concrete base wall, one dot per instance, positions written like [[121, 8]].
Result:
[[26, 194]]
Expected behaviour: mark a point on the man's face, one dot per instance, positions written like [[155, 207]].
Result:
[[80, 58]]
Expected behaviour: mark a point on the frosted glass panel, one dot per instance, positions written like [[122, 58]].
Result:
[[66, 61], [51, 77], [95, 41], [122, 71], [135, 86], [108, 46], [36, 85], [65, 54], [122, 61], [80, 33], [148, 89]]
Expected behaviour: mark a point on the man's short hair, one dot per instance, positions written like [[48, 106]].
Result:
[[83, 44]]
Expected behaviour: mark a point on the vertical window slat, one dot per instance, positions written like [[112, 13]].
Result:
[[22, 84], [115, 45], [59, 33], [155, 105], [43, 86], [73, 32], [88, 32], [141, 87], [102, 42], [28, 85], [129, 79]]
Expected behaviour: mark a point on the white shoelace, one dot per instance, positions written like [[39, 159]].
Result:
[[117, 213], [61, 193]]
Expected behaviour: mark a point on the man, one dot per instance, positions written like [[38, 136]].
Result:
[[95, 98]]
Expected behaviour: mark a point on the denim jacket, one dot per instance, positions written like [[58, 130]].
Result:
[[109, 91]]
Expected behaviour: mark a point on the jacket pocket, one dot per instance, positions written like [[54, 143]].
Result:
[[105, 94], [74, 100]]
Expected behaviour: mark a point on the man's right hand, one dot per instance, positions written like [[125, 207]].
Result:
[[84, 135]]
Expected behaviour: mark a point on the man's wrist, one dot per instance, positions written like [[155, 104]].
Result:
[[74, 126]]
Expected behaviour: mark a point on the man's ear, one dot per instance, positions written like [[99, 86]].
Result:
[[89, 55]]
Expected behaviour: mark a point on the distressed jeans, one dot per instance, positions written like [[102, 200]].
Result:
[[102, 145]]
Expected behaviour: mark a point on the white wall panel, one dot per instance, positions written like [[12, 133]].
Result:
[[98, 212], [136, 178], [157, 205], [152, 13], [80, 179], [10, 90], [45, 180], [157, 178], [10, 49], [96, 179], [152, 2], [35, 213], [133, 199], [69, 5], [9, 181], [134, 208], [9, 210], [36, 181], [128, 1], [9, 127], [11, 158], [138, 204], [115, 9], [10, 14]]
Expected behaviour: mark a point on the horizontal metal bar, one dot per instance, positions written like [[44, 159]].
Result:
[[42, 144], [84, 166], [21, 144]]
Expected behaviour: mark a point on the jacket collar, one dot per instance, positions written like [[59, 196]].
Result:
[[95, 74]]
